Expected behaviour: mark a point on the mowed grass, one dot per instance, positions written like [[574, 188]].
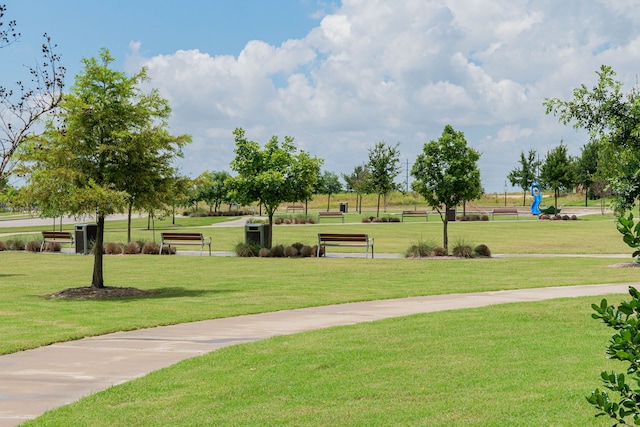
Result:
[[516, 364], [525, 364]]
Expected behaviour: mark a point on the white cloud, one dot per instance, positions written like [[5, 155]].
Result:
[[375, 70]]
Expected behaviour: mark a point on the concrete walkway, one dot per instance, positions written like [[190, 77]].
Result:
[[34, 381]]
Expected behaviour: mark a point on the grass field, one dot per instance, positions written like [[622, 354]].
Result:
[[516, 364]]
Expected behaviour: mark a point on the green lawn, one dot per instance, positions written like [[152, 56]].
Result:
[[515, 364]]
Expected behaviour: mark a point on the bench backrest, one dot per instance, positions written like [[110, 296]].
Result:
[[57, 235], [414, 212], [505, 210], [330, 214], [324, 237], [182, 236]]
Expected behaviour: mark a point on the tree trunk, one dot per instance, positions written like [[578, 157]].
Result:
[[98, 250], [555, 200], [378, 210], [524, 198], [129, 222], [328, 201], [445, 237], [586, 197]]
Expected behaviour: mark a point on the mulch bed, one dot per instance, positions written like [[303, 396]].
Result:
[[100, 293], [625, 265]]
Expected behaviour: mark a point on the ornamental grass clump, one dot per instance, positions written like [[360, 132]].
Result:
[[306, 251], [421, 249], [291, 252], [3, 246], [33, 246], [131, 248], [246, 250], [482, 250], [151, 249], [277, 251], [112, 249], [264, 253]]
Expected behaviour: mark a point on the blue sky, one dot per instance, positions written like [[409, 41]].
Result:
[[340, 76]]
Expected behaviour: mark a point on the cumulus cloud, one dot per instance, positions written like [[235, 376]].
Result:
[[374, 70]]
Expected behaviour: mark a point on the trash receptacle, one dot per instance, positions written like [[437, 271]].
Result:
[[344, 207], [451, 214], [259, 234], [85, 235]]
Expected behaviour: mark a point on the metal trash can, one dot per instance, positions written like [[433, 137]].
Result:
[[258, 234], [344, 207], [85, 235], [451, 215]]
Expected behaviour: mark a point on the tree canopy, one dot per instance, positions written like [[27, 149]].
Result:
[[272, 175], [111, 149], [558, 172], [328, 183], [383, 166], [612, 118], [525, 175], [446, 174]]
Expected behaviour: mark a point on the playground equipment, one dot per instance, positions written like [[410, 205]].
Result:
[[537, 197]]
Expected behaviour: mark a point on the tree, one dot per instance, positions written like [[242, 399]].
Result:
[[108, 126], [624, 346], [24, 105], [273, 175], [383, 166], [587, 168], [328, 183], [212, 189], [525, 175], [611, 118], [446, 174], [558, 172], [358, 181]]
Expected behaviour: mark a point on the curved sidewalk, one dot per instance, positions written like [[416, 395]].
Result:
[[34, 381]]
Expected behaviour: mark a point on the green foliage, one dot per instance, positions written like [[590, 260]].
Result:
[[525, 175], [446, 174], [211, 188], [630, 232], [246, 250], [482, 250], [273, 175], [624, 346], [383, 166], [558, 171], [420, 249]]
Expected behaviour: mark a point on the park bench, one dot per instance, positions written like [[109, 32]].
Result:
[[175, 239], [504, 211], [352, 240], [330, 215], [293, 208], [424, 214], [56, 237]]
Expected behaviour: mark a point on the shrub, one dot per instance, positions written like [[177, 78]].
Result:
[[462, 251], [394, 219], [311, 220], [3, 246], [112, 249], [315, 250], [17, 245], [440, 251], [131, 248], [290, 251], [573, 217], [169, 250], [482, 250], [565, 217], [33, 246], [298, 246], [52, 247], [151, 249], [366, 220], [420, 250], [376, 220], [264, 253], [278, 221], [306, 251], [485, 217], [277, 251], [246, 250]]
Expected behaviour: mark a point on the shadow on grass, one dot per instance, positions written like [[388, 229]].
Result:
[[112, 293]]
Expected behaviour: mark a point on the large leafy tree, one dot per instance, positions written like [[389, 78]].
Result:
[[446, 174], [110, 130], [383, 166], [612, 118], [271, 175], [525, 175], [23, 105], [558, 172], [328, 183]]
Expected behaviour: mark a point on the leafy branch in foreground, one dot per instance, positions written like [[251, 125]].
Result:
[[631, 233], [624, 346]]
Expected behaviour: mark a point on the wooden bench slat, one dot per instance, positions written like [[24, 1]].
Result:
[[351, 240], [415, 213], [172, 238], [56, 237], [504, 211], [331, 215]]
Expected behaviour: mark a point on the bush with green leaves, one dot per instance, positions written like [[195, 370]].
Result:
[[630, 233], [624, 403], [421, 249]]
